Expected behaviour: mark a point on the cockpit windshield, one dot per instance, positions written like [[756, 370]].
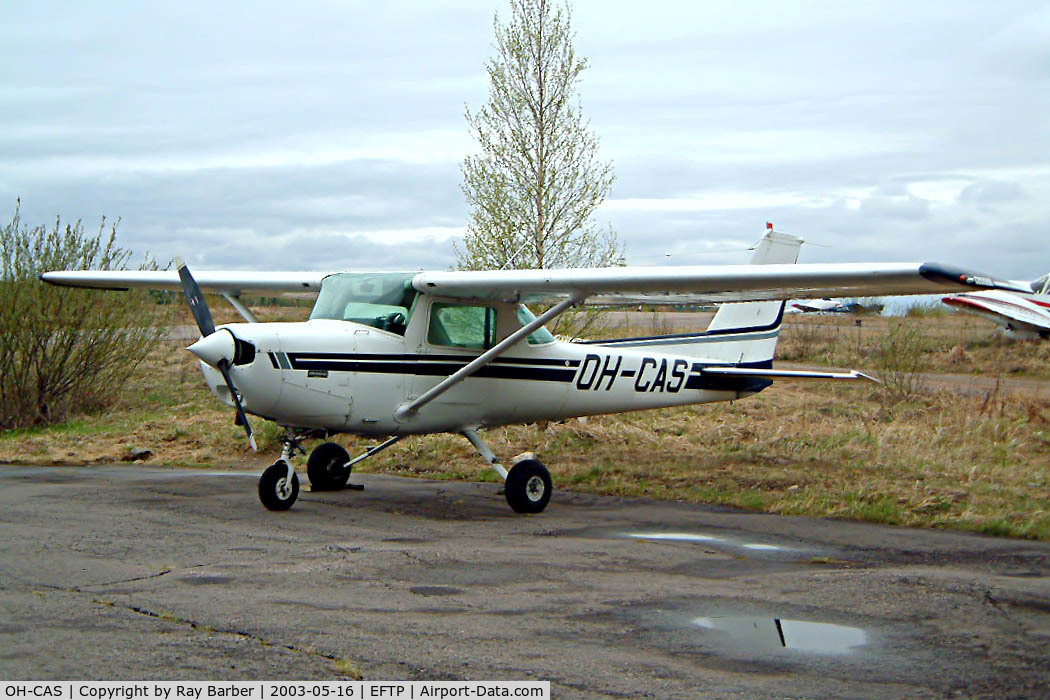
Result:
[[382, 300]]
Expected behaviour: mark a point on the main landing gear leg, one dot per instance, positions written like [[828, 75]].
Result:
[[329, 465], [279, 484], [527, 485]]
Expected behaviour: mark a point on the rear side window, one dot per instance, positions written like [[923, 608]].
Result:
[[458, 326], [541, 336]]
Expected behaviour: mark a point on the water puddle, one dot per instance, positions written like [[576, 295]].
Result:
[[709, 539], [673, 537], [754, 546], [774, 634]]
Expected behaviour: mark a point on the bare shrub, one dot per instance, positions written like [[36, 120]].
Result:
[[64, 351], [927, 308], [659, 323], [579, 323], [900, 359], [809, 342]]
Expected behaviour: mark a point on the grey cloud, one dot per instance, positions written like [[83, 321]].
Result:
[[119, 109], [906, 206], [211, 210], [334, 251], [992, 192]]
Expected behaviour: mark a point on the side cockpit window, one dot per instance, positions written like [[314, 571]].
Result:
[[460, 326]]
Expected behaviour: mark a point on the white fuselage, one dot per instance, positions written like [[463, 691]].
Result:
[[342, 376]]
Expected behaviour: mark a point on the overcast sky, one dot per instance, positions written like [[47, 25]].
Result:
[[329, 135]]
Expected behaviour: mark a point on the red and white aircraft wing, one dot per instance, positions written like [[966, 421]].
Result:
[[1027, 315]]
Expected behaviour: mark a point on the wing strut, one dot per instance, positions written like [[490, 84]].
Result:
[[235, 301], [410, 408]]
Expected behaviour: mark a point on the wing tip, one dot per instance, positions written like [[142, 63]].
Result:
[[941, 273], [54, 278]]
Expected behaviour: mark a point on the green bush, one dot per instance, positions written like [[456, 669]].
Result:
[[65, 351]]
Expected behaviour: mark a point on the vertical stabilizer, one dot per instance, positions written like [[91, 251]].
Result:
[[772, 249], [748, 331], [742, 333]]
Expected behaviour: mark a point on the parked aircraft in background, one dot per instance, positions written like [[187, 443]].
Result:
[[409, 353], [1024, 315], [825, 306]]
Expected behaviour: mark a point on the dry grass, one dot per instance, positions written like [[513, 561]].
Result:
[[935, 459], [947, 342], [810, 450]]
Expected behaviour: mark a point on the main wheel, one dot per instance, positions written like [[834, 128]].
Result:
[[327, 468], [275, 491], [528, 486]]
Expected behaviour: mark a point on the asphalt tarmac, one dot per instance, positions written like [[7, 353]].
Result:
[[151, 574]]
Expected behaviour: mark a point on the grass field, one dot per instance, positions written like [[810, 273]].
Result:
[[900, 453]]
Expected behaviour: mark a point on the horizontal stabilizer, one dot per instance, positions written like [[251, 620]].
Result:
[[783, 373]]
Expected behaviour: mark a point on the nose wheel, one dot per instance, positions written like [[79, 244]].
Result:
[[278, 486]]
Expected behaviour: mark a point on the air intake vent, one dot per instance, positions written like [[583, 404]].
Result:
[[244, 352]]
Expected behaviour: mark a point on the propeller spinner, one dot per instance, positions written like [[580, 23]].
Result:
[[216, 348]]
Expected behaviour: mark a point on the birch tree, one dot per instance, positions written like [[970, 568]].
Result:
[[537, 178]]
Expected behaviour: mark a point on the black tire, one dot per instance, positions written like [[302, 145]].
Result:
[[528, 486], [273, 489], [326, 467]]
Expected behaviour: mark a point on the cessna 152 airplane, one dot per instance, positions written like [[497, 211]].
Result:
[[1024, 316], [402, 353]]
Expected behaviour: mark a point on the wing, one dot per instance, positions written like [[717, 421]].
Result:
[[1005, 309], [710, 283], [233, 282], [689, 284]]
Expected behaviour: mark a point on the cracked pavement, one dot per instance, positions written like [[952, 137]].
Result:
[[149, 573]]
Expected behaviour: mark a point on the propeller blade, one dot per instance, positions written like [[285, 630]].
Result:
[[224, 367], [202, 315], [195, 297]]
